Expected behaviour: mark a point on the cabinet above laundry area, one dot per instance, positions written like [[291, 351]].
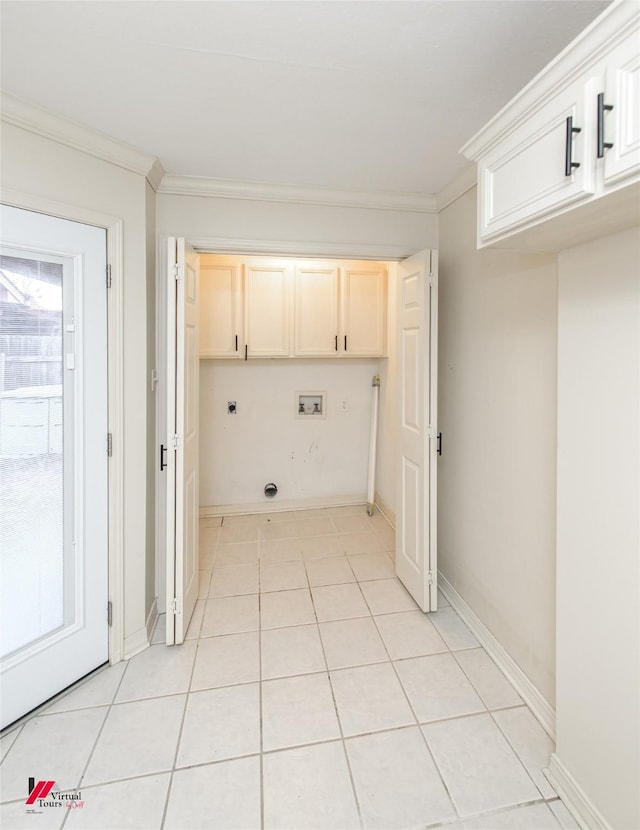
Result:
[[254, 307]]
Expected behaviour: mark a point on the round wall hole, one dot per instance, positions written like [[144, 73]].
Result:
[[270, 490]]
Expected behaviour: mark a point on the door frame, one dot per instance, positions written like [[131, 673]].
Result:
[[248, 247], [115, 391]]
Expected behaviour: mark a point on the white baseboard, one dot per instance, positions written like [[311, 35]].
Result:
[[279, 506], [152, 619], [574, 797], [386, 511], [135, 643], [534, 699]]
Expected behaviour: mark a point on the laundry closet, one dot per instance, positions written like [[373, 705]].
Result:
[[288, 351]]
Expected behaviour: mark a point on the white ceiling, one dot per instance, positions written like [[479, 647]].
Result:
[[362, 96]]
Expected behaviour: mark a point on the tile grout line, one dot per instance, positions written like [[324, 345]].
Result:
[[491, 710], [179, 736], [337, 713], [260, 681], [517, 754], [418, 724], [98, 736], [17, 729]]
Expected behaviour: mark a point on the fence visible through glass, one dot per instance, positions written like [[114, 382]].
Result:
[[31, 450]]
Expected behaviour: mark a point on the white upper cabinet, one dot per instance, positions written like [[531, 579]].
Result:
[[569, 139], [221, 311], [619, 111], [541, 167], [316, 311], [267, 310], [262, 308], [363, 305]]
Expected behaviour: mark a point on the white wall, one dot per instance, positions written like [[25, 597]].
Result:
[[197, 216], [598, 697], [265, 441], [497, 414], [34, 165]]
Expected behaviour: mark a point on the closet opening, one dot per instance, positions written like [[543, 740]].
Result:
[[277, 379]]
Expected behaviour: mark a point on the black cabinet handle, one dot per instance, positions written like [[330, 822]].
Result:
[[439, 444], [245, 351], [345, 342], [602, 144], [236, 342], [163, 462], [569, 165], [336, 342]]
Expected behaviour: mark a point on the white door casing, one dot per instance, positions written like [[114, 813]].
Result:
[[48, 664], [182, 438], [416, 551]]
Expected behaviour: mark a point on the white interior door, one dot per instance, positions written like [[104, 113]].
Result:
[[417, 305], [182, 420], [53, 456]]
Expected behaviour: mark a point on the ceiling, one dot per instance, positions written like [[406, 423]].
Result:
[[361, 96]]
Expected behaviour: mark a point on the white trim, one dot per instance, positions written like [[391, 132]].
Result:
[[457, 187], [115, 335], [152, 619], [115, 379], [155, 174], [574, 797], [534, 699], [135, 643], [280, 505], [386, 510], [324, 250], [268, 192], [608, 29], [42, 122]]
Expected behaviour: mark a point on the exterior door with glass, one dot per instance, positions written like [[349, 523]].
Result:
[[53, 457]]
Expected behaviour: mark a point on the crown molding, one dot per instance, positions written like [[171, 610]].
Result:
[[155, 174], [42, 122], [265, 192], [615, 23], [458, 187]]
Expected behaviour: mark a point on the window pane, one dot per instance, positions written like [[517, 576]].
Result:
[[31, 450]]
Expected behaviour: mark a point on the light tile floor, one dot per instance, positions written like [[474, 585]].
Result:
[[310, 693]]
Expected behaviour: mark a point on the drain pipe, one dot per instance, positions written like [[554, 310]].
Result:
[[373, 439]]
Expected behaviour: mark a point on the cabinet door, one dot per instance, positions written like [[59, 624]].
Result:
[[363, 312], [267, 304], [316, 312], [523, 178], [220, 311], [621, 125]]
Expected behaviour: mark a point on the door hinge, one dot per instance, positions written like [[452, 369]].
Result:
[[175, 606], [431, 578], [177, 439], [109, 612], [108, 276], [177, 272], [109, 444]]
